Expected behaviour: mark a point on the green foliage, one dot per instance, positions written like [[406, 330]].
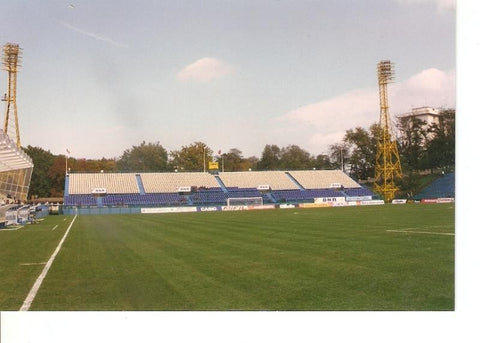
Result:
[[94, 166], [340, 155], [291, 157], [40, 184], [295, 158], [234, 161], [322, 162], [270, 159], [56, 174], [431, 146], [193, 157], [440, 150], [362, 150], [412, 139], [144, 158]]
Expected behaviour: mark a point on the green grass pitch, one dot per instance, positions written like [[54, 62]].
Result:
[[392, 257]]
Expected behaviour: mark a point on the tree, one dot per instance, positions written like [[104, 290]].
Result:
[[295, 158], [233, 161], [94, 166], [339, 154], [412, 141], [144, 158], [56, 173], [40, 184], [270, 159], [440, 151], [362, 145], [322, 162], [409, 185], [252, 163], [193, 157]]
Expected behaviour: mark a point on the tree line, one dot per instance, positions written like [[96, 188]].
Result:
[[421, 147]]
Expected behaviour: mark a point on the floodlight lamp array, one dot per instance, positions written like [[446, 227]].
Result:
[[385, 71], [11, 57]]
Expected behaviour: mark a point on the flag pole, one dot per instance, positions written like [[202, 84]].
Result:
[[66, 162]]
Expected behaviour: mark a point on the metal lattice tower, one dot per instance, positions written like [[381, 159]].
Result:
[[11, 63], [387, 160]]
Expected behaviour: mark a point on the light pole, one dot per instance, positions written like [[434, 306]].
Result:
[[66, 162], [341, 158], [204, 166]]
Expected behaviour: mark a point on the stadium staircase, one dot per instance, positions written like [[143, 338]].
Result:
[[222, 185], [67, 183], [271, 198], [140, 184], [295, 181]]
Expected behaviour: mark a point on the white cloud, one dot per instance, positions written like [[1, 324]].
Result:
[[204, 70], [449, 5], [328, 120], [431, 87], [353, 108]]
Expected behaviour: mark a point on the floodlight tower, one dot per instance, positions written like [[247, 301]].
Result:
[[387, 160], [11, 63]]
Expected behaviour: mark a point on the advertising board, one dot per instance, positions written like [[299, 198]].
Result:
[[315, 205], [359, 198], [261, 207], [372, 202], [148, 210], [209, 209], [445, 200], [428, 201], [234, 208], [283, 206], [330, 200]]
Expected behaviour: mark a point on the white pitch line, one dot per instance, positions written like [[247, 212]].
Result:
[[54, 227], [424, 232], [32, 264], [15, 229], [36, 286]]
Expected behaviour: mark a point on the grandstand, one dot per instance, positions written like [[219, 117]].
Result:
[[205, 189], [15, 171], [443, 187]]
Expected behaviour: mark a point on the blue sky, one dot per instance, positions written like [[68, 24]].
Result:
[[101, 76]]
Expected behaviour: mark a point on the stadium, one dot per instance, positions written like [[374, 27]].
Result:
[[178, 192], [214, 240]]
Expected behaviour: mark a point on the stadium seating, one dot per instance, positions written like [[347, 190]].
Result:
[[318, 179], [443, 187], [208, 197], [115, 183], [161, 189], [79, 200], [302, 195], [253, 179], [170, 182], [357, 192]]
